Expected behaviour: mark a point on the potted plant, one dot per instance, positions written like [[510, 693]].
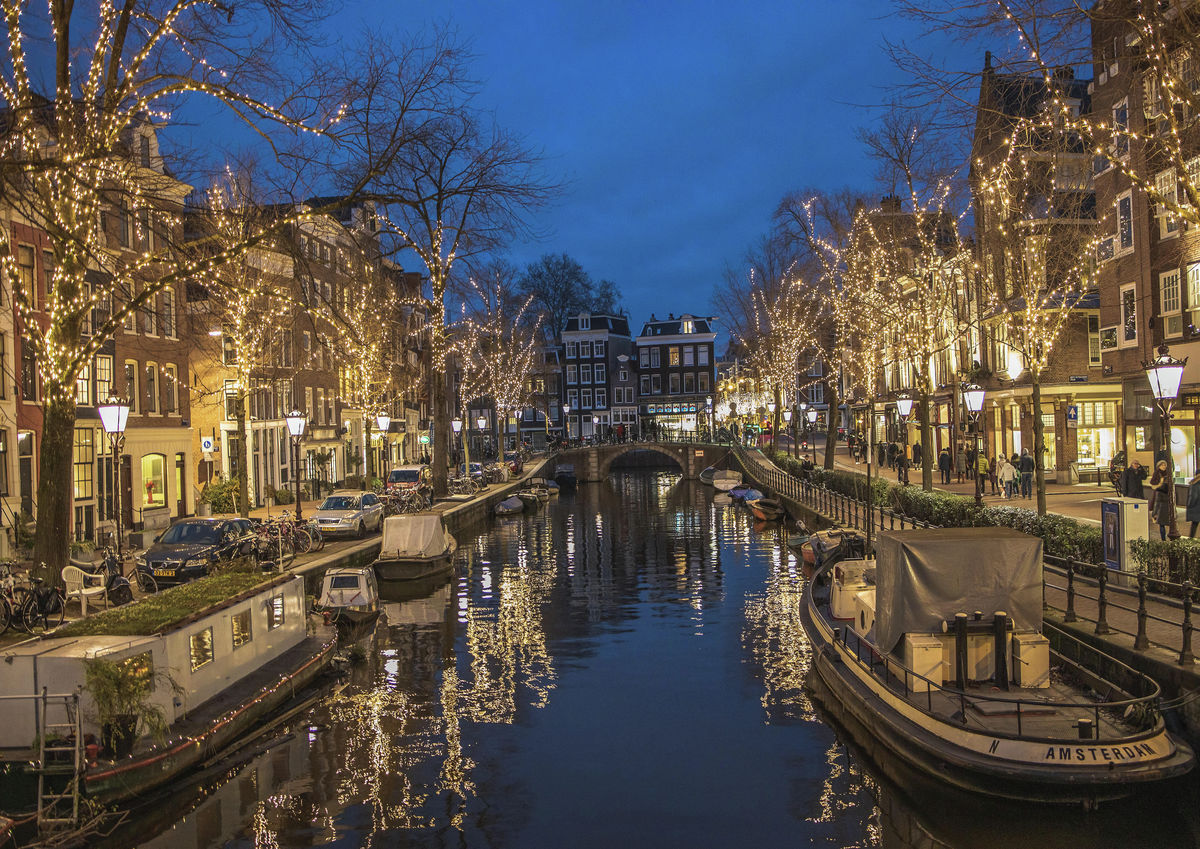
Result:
[[121, 691]]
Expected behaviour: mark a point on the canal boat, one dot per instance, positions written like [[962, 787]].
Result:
[[349, 595], [547, 484], [745, 493], [532, 495], [726, 479], [510, 505], [937, 650], [767, 509], [797, 540], [415, 546], [706, 476], [564, 474]]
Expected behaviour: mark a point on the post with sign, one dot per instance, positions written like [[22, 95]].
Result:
[[1072, 423]]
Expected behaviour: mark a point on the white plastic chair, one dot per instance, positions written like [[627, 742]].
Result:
[[81, 585]]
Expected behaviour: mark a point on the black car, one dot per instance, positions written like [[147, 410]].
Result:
[[188, 549]]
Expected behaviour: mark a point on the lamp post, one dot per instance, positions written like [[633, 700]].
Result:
[[596, 429], [708, 408], [463, 444], [296, 421], [771, 416], [812, 440], [904, 405], [481, 424], [566, 423], [114, 415], [787, 421], [1165, 373], [973, 395], [383, 421]]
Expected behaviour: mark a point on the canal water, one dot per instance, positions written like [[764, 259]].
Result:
[[622, 668]]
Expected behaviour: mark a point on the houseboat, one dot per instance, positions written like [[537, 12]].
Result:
[[349, 595], [936, 651]]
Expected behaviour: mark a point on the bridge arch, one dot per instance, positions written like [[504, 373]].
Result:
[[594, 462], [673, 453]]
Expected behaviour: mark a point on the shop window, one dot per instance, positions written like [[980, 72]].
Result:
[[154, 480], [1183, 453], [201, 646]]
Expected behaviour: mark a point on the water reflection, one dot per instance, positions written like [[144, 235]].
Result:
[[624, 666]]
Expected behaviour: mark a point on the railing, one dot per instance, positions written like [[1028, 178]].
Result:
[[1083, 581]]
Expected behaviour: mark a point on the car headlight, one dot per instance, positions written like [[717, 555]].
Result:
[[139, 560], [196, 562]]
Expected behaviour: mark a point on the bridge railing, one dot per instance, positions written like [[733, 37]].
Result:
[[1156, 600]]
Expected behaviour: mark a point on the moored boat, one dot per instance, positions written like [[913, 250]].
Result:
[[532, 496], [903, 649], [510, 505], [564, 474], [707, 475], [349, 595], [726, 479], [415, 546], [745, 493], [767, 509]]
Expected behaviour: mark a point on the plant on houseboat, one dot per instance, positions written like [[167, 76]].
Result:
[[121, 691]]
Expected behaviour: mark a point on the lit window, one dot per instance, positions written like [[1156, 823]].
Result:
[[202, 648]]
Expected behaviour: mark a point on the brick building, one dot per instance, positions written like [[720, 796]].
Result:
[[676, 371]]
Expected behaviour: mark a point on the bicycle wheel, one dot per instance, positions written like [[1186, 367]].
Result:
[[145, 582], [301, 541], [283, 547], [20, 598], [318, 540], [41, 617], [6, 615]]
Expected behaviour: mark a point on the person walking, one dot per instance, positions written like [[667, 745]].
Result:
[[972, 462], [1025, 467], [945, 464], [960, 461], [992, 476], [1132, 480], [981, 469], [902, 469], [1163, 508], [916, 454], [1008, 477], [1193, 503], [1155, 481]]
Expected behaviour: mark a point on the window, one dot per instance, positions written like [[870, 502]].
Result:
[[1093, 340], [131, 385], [585, 350], [48, 274], [623, 375], [655, 359], [4, 462], [1165, 185], [151, 387], [123, 227], [171, 385], [573, 399], [1193, 287], [149, 317], [598, 348], [601, 399], [1128, 315], [702, 355], [572, 350], [1125, 222], [644, 357], [229, 355], [585, 322], [674, 383], [103, 377], [702, 382], [645, 384], [168, 313], [1168, 287], [154, 470], [689, 383], [26, 271], [144, 148], [240, 622], [585, 373], [144, 230], [29, 374], [600, 372], [231, 400], [83, 386], [572, 373], [689, 355], [201, 648], [673, 356], [656, 384], [84, 462], [129, 322], [585, 398], [687, 326], [1120, 124]]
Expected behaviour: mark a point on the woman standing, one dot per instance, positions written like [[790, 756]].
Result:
[[1193, 503], [1162, 507]]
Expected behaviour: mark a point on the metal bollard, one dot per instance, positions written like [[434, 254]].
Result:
[[1070, 616], [1185, 651], [1102, 605], [1141, 642]]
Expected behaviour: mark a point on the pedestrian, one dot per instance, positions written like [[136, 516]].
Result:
[[892, 451], [916, 454], [1025, 467], [882, 454], [1008, 477], [1155, 481], [1193, 503], [1132, 479], [902, 469], [945, 464], [972, 462], [960, 461], [1163, 508], [995, 482], [981, 469]]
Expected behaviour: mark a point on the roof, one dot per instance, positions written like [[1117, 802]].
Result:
[[673, 326], [618, 325]]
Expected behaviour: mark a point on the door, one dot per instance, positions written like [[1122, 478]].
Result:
[[180, 483], [126, 491], [25, 469]]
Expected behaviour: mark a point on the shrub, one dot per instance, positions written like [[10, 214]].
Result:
[[284, 496], [1168, 560], [222, 495]]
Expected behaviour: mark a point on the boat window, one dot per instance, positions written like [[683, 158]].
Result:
[[241, 628], [202, 648], [340, 502], [343, 582], [275, 613]]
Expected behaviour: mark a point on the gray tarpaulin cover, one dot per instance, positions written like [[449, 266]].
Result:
[[418, 535], [923, 578]]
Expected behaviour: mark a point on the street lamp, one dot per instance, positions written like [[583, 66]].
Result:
[[1165, 374], [812, 440], [904, 405], [566, 422], [481, 424], [595, 428], [296, 421], [383, 421], [787, 421], [114, 415], [464, 444], [973, 395]]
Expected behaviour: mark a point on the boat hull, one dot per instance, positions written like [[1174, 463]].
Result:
[[399, 569], [1062, 772], [767, 510]]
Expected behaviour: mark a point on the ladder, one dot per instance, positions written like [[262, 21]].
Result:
[[60, 753]]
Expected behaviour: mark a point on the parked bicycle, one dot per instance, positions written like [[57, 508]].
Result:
[[45, 606], [12, 601], [273, 545], [118, 585]]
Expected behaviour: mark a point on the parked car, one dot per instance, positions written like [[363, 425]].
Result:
[[404, 478], [190, 548], [350, 512]]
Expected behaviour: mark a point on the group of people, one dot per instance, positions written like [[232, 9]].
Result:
[[1132, 484]]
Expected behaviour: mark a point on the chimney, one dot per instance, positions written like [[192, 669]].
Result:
[[889, 203]]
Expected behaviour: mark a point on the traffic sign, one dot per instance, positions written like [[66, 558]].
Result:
[[1072, 415]]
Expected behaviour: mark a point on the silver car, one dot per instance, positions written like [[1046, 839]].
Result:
[[350, 512]]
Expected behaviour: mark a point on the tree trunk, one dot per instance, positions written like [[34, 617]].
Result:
[[778, 396], [52, 539], [831, 424], [243, 457], [437, 395], [1039, 442], [926, 439]]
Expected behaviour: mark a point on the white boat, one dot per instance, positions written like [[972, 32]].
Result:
[[510, 505], [349, 595], [414, 546], [937, 651], [726, 479]]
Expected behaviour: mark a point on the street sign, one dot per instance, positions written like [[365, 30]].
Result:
[[207, 444], [423, 439], [1072, 415]]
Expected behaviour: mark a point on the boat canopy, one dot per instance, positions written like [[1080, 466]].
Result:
[[924, 577], [418, 535]]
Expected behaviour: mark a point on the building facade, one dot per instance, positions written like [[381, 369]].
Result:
[[676, 372], [592, 345]]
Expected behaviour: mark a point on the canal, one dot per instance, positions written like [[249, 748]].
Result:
[[623, 667]]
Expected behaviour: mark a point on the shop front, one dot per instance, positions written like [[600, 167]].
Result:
[[672, 419]]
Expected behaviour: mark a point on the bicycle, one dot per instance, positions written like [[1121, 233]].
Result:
[[12, 601], [45, 607], [271, 545]]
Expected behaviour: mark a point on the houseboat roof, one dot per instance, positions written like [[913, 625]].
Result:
[[91, 645]]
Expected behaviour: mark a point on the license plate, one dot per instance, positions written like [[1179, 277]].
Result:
[[164, 573]]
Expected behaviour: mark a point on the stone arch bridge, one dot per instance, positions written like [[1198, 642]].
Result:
[[593, 462]]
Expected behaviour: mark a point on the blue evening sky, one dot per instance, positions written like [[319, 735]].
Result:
[[677, 126]]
